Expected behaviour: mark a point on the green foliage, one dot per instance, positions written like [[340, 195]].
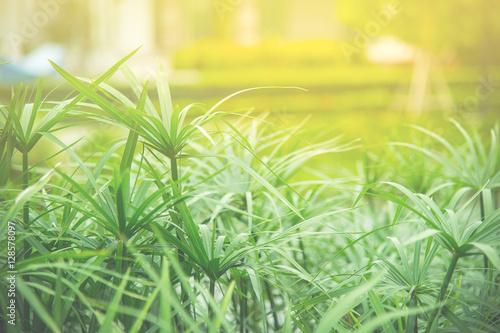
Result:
[[224, 222], [223, 54]]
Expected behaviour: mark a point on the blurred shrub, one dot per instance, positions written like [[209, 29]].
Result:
[[217, 53]]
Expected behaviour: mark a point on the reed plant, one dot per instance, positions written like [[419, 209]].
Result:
[[223, 222]]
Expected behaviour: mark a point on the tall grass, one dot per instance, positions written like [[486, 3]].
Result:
[[221, 222]]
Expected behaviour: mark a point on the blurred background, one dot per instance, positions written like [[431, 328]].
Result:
[[369, 65]]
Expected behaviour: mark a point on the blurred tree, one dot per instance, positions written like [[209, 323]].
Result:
[[463, 28], [462, 31]]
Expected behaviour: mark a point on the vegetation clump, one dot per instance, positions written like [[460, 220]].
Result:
[[220, 223]]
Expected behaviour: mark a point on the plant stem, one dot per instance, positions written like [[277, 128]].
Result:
[[243, 306], [173, 169], [483, 217], [272, 304], [180, 254], [481, 206], [26, 245], [121, 268], [412, 322], [212, 293], [444, 288], [26, 208]]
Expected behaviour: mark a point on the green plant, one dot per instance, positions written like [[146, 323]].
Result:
[[225, 222]]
